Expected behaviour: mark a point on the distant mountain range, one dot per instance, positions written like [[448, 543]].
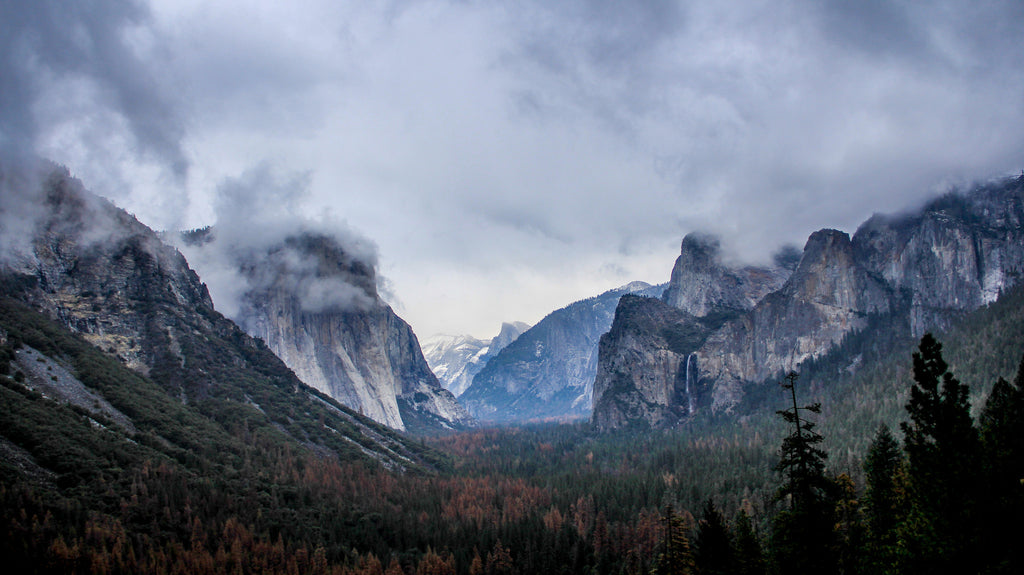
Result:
[[548, 371], [456, 359]]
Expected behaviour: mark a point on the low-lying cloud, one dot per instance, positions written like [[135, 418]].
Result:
[[262, 246]]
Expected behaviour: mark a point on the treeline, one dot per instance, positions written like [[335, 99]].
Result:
[[947, 499]]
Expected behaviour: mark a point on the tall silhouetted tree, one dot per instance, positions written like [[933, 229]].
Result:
[[803, 535], [713, 543], [939, 534], [749, 556], [881, 501], [1002, 436]]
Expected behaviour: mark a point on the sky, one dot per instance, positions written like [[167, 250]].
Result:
[[504, 159]]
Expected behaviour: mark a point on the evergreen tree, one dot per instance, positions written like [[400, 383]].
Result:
[[1002, 436], [803, 535], [849, 528], [939, 534], [749, 556], [881, 501], [713, 543], [675, 557]]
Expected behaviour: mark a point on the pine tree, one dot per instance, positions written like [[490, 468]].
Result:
[[749, 556], [803, 536], [1002, 436], [881, 501], [849, 527], [939, 533], [675, 557], [713, 543]]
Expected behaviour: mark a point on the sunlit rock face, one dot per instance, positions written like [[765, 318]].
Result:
[[923, 270], [317, 308]]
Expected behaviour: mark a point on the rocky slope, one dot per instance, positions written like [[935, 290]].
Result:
[[316, 306], [456, 359], [922, 270], [548, 371], [106, 278]]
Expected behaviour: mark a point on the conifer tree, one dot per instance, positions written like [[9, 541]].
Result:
[[1002, 436], [802, 536], [675, 556], [881, 501], [849, 527], [713, 543], [939, 534], [749, 556]]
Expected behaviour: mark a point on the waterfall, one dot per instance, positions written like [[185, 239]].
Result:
[[691, 404]]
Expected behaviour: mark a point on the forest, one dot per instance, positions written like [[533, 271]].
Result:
[[911, 465]]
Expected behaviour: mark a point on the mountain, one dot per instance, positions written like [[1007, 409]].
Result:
[[548, 371], [911, 273], [702, 284], [456, 359], [316, 306], [79, 277]]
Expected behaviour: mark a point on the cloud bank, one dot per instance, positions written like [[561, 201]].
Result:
[[509, 158]]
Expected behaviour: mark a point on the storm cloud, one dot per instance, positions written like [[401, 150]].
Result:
[[509, 158]]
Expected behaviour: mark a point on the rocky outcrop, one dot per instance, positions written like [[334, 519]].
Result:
[[701, 284], [924, 270], [317, 308], [107, 276], [456, 359], [959, 253], [110, 278], [548, 371], [648, 368], [829, 295]]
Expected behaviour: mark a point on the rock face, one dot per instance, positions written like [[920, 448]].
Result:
[[318, 309], [112, 279], [548, 371], [456, 359], [923, 270], [828, 295], [648, 368], [100, 273], [702, 284]]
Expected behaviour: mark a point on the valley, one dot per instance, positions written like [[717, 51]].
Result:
[[144, 431]]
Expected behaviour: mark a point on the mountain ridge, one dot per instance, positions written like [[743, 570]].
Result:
[[930, 267]]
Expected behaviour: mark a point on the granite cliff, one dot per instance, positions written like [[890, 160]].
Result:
[[922, 270], [110, 280], [317, 307]]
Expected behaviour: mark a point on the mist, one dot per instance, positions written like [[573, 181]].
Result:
[[262, 244]]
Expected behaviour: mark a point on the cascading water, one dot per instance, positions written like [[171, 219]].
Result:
[[691, 374]]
